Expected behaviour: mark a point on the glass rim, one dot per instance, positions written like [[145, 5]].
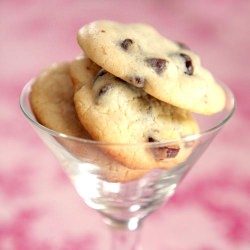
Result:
[[29, 115]]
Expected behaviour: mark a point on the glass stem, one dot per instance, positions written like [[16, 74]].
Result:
[[123, 239]]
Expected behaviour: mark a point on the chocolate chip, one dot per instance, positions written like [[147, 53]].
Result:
[[182, 45], [164, 152], [158, 64], [151, 139], [137, 81], [188, 63], [100, 73], [105, 88], [172, 151], [126, 43]]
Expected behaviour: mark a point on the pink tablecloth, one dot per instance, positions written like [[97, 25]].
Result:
[[39, 209]]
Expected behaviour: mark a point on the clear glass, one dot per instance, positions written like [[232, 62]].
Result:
[[123, 196]]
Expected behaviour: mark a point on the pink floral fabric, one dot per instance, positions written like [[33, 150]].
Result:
[[39, 209]]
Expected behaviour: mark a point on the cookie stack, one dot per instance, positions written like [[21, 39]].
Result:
[[130, 85]]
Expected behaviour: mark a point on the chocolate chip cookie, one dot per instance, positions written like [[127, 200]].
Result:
[[52, 103], [114, 111], [141, 56]]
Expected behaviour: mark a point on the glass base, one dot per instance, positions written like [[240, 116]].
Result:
[[132, 224]]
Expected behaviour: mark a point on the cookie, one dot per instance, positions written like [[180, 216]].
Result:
[[114, 111], [167, 70], [82, 70], [92, 159], [52, 103]]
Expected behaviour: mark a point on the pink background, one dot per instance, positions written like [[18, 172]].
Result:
[[39, 209]]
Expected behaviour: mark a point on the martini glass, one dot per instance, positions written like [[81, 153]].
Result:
[[125, 197]]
